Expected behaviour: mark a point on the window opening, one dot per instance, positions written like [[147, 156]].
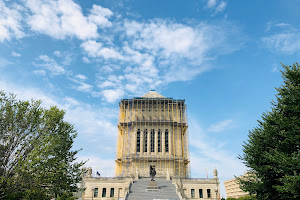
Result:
[[208, 193], [192, 193], [96, 192], [112, 192], [104, 192], [138, 141], [200, 193], [167, 140], [152, 140], [159, 141], [145, 140]]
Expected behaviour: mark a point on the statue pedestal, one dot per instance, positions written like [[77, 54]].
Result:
[[152, 186]]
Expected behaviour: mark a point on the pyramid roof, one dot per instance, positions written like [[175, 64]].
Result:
[[153, 94]]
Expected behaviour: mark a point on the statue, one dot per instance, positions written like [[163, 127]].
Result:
[[215, 173], [152, 172], [152, 185], [86, 172]]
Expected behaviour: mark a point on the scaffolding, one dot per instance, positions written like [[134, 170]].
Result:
[[144, 124]]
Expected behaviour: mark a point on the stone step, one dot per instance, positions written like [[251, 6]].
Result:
[[166, 191]]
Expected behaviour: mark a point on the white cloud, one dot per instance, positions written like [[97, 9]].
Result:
[[40, 72], [103, 166], [91, 47], [221, 126], [27, 93], [81, 77], [57, 53], [106, 84], [84, 87], [10, 23], [107, 69], [216, 6], [51, 65], [176, 50], [4, 62], [168, 38], [86, 60], [208, 154], [211, 3], [112, 95], [158, 52], [221, 7], [179, 50], [288, 43], [64, 18], [67, 59], [90, 119], [282, 38], [152, 53], [15, 54], [283, 26], [99, 16], [96, 49]]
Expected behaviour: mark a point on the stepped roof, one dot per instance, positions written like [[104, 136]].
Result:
[[153, 94]]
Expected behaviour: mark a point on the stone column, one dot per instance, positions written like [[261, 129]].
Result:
[[148, 142], [156, 142], [170, 142], [180, 142], [133, 141], [163, 147], [142, 142]]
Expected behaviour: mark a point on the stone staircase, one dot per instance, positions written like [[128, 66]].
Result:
[[167, 190]]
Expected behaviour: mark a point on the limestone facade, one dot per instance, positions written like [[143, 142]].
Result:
[[97, 188], [152, 131], [200, 188], [232, 188]]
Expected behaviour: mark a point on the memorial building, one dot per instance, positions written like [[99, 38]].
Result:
[[152, 134]]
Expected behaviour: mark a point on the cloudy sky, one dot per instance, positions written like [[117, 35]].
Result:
[[222, 56]]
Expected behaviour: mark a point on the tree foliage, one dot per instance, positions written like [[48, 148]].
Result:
[[273, 147], [247, 197], [36, 156]]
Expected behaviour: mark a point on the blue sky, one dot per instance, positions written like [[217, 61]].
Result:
[[222, 56]]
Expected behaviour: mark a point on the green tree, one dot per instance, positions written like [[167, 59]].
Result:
[[273, 147], [36, 156], [247, 197]]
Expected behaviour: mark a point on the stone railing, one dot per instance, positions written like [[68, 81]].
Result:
[[178, 190], [127, 190]]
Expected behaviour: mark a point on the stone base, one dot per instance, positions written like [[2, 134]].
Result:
[[152, 186]]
